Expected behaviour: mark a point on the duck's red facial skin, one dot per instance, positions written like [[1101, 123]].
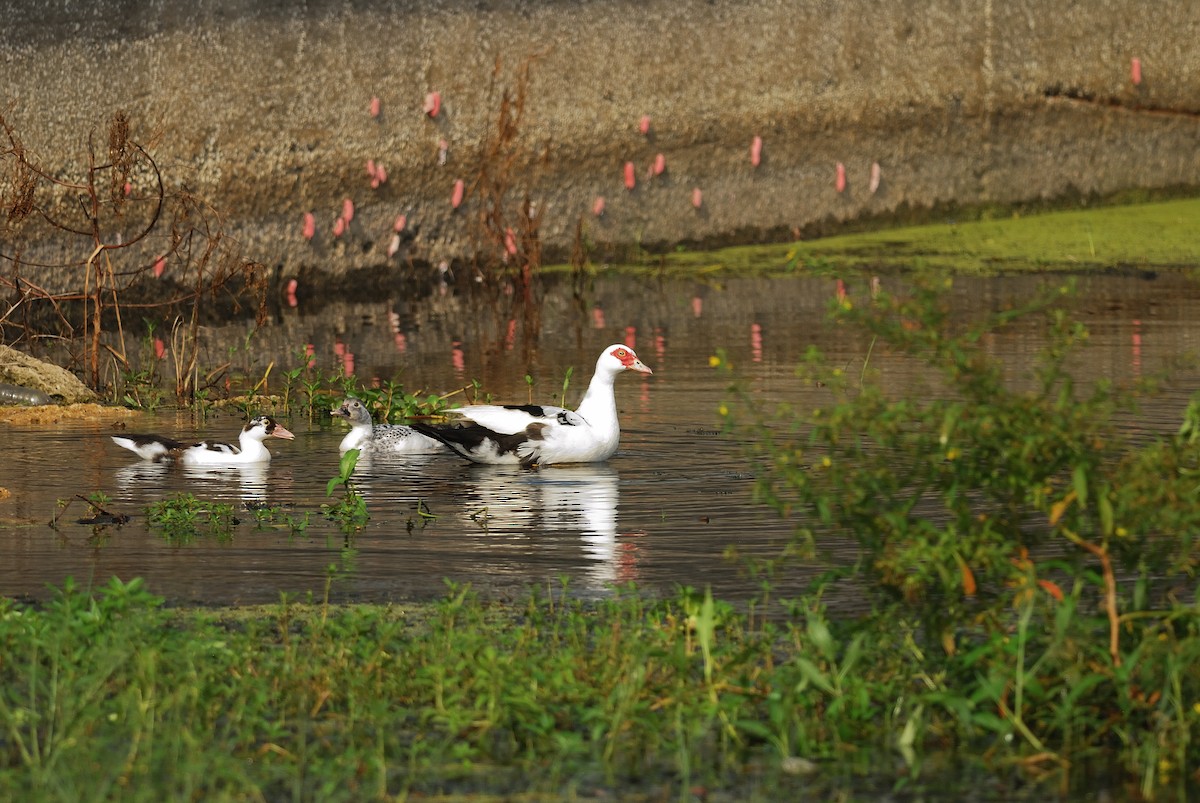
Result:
[[627, 358]]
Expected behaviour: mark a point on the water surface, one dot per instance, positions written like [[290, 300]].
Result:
[[661, 513]]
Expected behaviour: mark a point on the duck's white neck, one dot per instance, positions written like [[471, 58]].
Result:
[[357, 436], [252, 449], [599, 404]]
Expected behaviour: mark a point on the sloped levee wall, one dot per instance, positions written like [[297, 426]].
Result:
[[271, 110]]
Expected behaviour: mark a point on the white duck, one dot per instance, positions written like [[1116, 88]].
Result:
[[532, 434], [383, 438], [249, 448]]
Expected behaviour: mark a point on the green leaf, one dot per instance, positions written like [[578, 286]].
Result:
[[814, 675], [989, 721], [1106, 512], [818, 633], [1079, 482], [349, 461], [1080, 687], [851, 656], [755, 728]]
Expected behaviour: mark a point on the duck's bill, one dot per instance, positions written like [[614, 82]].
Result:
[[280, 432], [638, 365]]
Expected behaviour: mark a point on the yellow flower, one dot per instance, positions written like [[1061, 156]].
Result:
[[1196, 707], [952, 453], [723, 410], [714, 361], [826, 462]]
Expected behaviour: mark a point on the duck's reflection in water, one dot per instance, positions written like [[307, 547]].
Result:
[[137, 479], [584, 498], [513, 521], [556, 501]]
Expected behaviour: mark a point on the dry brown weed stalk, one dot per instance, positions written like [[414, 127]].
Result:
[[133, 226], [510, 249]]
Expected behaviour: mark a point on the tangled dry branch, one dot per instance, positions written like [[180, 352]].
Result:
[[72, 248]]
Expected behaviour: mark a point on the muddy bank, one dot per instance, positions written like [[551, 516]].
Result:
[[266, 111]]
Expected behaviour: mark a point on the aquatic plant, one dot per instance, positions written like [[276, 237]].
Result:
[[307, 387], [99, 517], [350, 511], [183, 518], [1016, 540], [390, 403], [278, 516]]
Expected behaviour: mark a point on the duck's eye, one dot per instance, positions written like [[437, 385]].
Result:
[[621, 352]]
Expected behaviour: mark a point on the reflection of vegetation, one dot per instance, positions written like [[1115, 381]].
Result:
[[993, 525]]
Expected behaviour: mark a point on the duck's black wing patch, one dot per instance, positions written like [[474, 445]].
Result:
[[535, 410], [564, 417], [217, 446], [466, 439], [146, 440]]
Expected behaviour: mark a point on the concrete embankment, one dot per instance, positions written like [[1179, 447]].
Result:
[[266, 110]]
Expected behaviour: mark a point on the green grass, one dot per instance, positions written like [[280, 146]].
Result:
[[112, 696], [1143, 236]]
